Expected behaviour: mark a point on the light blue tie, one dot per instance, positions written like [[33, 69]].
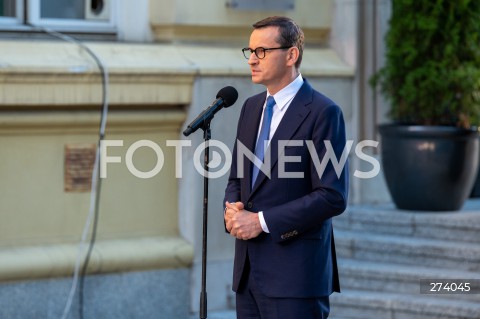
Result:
[[264, 134]]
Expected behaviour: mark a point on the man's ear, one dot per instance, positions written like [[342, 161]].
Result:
[[292, 56]]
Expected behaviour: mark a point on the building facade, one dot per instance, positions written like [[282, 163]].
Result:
[[163, 62]]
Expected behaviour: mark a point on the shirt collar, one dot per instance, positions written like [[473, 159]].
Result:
[[286, 94]]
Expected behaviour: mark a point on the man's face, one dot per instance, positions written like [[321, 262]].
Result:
[[272, 70]]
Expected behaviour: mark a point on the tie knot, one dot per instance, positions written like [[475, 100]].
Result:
[[270, 102]]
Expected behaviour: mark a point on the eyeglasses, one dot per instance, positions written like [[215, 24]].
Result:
[[259, 52]]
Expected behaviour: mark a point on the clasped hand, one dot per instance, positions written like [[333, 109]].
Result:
[[241, 223]]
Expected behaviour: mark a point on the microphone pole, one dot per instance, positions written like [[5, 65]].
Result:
[[203, 293], [225, 98]]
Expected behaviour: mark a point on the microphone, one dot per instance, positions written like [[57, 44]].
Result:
[[225, 98]]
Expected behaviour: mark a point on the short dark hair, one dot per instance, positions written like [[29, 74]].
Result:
[[291, 35]]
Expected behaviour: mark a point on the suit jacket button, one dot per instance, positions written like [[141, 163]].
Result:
[[249, 205]]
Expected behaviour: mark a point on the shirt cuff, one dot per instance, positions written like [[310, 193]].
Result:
[[262, 222]]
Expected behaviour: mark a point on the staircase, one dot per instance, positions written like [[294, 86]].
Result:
[[383, 253]]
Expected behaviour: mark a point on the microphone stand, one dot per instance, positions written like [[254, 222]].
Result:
[[203, 294], [225, 97]]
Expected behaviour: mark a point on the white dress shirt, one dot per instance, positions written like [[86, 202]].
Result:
[[283, 98]]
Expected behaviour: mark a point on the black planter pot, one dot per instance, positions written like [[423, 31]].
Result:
[[476, 186], [429, 168]]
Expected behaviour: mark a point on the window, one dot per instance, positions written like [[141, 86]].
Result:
[[58, 9], [7, 8], [10, 12], [61, 15]]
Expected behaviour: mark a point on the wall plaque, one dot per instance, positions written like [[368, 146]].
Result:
[[79, 161], [282, 5]]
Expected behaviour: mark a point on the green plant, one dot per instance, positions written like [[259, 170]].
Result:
[[432, 70]]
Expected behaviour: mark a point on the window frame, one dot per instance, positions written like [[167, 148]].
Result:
[[17, 19], [32, 12]]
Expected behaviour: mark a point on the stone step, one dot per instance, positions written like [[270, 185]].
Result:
[[405, 250], [394, 278], [357, 304], [230, 314], [217, 314], [367, 305], [462, 226]]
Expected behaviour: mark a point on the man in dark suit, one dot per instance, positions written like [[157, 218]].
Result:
[[281, 214]]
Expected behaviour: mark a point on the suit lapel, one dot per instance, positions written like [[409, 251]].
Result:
[[253, 120], [290, 123]]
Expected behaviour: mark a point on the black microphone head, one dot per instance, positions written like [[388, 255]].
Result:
[[229, 95]]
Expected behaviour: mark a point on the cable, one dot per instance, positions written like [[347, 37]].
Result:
[[79, 277]]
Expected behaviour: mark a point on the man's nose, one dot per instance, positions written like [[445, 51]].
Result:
[[252, 59]]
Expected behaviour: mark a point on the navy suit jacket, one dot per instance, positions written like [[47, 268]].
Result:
[[297, 258]]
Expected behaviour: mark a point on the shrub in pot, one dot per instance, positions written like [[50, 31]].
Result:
[[431, 78]]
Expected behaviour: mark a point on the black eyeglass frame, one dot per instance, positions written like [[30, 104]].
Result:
[[262, 49]]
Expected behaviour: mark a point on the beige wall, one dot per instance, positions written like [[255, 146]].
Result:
[[32, 183], [214, 21], [42, 223], [50, 96]]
